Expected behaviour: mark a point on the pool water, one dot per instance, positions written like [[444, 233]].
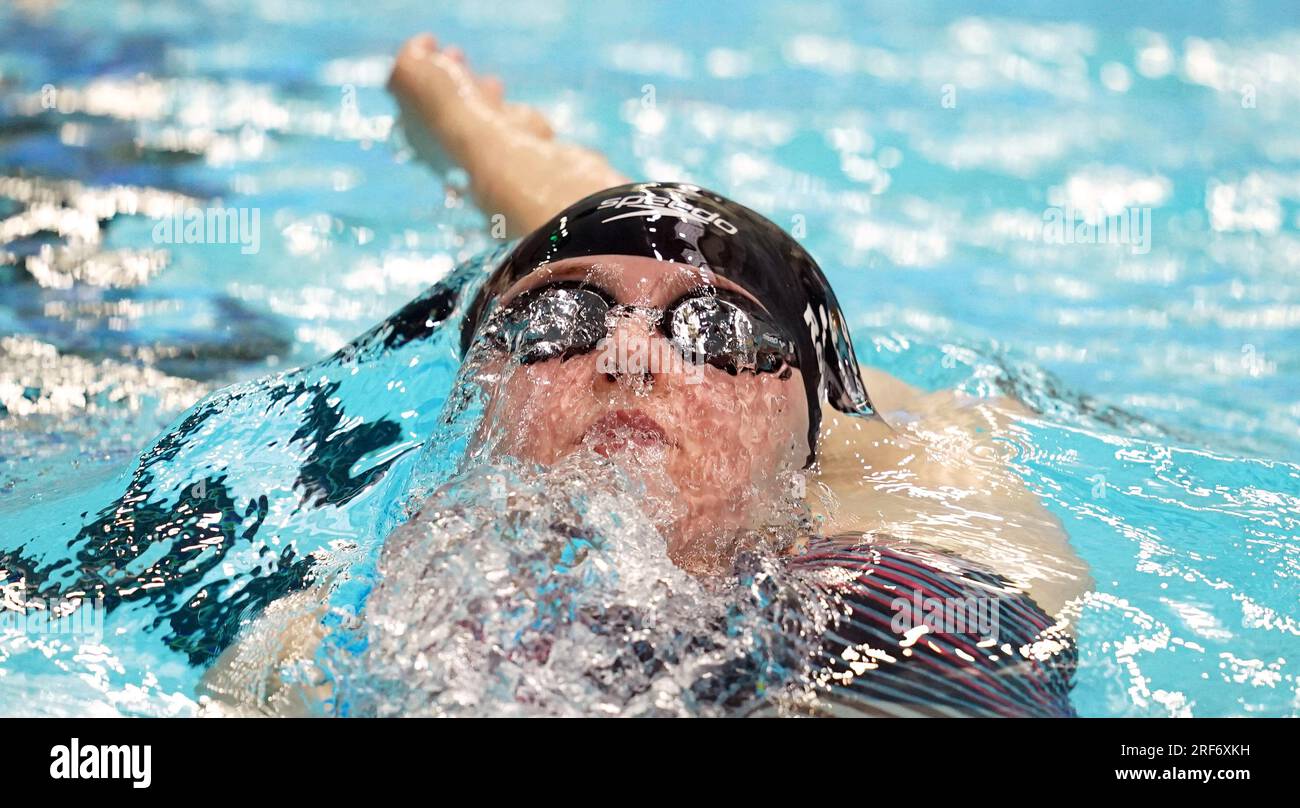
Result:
[[923, 155]]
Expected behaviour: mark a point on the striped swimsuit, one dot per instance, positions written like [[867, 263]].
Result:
[[920, 632]]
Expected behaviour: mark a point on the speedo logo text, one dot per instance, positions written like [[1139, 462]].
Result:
[[648, 204]]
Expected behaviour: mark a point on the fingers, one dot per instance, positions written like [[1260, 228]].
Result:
[[493, 90], [439, 82], [530, 120], [412, 58], [420, 46], [421, 69]]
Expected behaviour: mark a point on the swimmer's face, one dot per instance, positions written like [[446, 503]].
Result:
[[714, 450]]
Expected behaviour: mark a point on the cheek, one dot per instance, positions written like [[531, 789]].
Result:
[[733, 433], [534, 411], [740, 431]]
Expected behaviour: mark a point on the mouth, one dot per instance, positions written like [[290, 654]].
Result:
[[622, 429]]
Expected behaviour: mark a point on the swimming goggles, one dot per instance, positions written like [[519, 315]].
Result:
[[708, 326]]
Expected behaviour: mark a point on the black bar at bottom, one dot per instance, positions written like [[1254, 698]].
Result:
[[540, 759]]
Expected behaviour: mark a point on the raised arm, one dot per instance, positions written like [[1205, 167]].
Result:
[[516, 167]]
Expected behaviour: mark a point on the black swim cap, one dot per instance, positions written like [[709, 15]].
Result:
[[687, 224]]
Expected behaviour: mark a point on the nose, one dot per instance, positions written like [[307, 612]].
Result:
[[633, 348]]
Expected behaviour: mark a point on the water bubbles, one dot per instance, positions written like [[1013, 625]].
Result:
[[525, 592]]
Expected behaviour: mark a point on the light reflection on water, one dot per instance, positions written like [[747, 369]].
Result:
[[916, 151]]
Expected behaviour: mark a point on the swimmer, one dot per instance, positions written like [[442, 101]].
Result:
[[906, 492]]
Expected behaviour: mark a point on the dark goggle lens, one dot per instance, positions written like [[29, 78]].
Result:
[[553, 322], [568, 321], [709, 329]]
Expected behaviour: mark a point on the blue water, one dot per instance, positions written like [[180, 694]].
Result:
[[914, 151]]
